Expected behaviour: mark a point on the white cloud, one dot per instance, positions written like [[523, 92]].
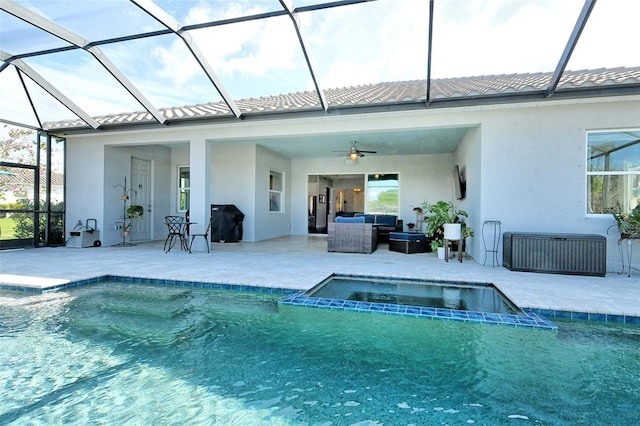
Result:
[[363, 43], [476, 37], [367, 43], [610, 37], [241, 54]]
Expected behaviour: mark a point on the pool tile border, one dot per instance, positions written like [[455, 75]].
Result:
[[150, 281], [533, 317], [533, 314], [587, 316], [527, 319], [530, 319]]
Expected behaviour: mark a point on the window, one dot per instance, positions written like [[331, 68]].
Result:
[[382, 194], [183, 188], [613, 171], [276, 189]]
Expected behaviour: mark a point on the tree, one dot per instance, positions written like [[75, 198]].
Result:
[[19, 146], [385, 202]]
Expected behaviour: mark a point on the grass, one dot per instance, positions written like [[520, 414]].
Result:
[[7, 228]]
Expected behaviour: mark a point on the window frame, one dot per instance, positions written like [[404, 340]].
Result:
[[276, 194], [368, 192], [610, 173], [180, 189]]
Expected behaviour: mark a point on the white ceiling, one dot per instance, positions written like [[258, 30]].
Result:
[[397, 142]]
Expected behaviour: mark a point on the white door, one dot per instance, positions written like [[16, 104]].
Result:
[[141, 184]]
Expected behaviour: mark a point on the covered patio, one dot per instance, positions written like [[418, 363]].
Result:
[[300, 262]]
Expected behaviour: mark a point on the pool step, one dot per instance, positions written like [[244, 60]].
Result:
[[151, 316]]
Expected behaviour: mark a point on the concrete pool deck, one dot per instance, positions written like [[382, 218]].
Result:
[[300, 262]]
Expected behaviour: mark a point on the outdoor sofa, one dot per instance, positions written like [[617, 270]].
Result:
[[385, 223], [352, 235]]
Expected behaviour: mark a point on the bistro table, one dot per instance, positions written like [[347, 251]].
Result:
[[177, 226]]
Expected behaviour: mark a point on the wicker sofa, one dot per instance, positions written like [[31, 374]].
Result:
[[351, 235], [385, 223]]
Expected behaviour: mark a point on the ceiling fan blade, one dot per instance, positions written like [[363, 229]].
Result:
[[368, 152]]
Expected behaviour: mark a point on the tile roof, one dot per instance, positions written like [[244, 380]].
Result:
[[387, 93], [24, 178]]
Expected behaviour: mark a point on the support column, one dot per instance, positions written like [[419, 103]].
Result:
[[200, 176]]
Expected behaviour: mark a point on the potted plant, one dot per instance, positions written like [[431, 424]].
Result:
[[135, 213], [628, 223], [437, 215], [467, 231]]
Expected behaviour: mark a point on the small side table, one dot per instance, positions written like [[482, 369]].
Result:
[[491, 230], [446, 249], [625, 246]]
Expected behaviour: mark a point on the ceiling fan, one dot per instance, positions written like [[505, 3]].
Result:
[[354, 152]]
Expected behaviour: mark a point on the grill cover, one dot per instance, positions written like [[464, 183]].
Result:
[[226, 223]]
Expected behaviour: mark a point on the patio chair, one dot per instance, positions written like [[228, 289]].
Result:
[[348, 236], [205, 235], [175, 225]]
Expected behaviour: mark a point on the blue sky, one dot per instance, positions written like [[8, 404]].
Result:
[[385, 40]]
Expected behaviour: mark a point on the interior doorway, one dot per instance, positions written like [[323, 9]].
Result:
[[333, 195]]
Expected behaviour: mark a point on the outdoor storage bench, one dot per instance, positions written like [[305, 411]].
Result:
[[573, 254], [409, 242]]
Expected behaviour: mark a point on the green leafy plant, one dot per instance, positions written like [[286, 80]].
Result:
[[437, 215], [22, 222], [466, 231], [628, 224], [135, 213]]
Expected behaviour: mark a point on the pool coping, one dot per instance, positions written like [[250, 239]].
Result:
[[534, 314], [144, 280], [527, 318]]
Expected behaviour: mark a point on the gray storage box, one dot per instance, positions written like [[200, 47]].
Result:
[[573, 254]]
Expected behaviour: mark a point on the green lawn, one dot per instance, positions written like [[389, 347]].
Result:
[[7, 228]]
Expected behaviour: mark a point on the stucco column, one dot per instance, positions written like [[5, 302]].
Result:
[[200, 174]]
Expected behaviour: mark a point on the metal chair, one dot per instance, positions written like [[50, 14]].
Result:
[[205, 235], [175, 224]]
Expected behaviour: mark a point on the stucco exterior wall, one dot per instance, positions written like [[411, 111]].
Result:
[[533, 166], [85, 183], [524, 165], [234, 181], [118, 159], [269, 224], [468, 159]]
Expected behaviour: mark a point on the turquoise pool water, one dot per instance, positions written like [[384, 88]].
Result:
[[115, 353], [432, 294]]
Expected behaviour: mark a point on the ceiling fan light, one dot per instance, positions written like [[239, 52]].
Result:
[[353, 156]]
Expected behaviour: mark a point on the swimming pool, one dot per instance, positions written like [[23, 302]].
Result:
[[119, 353], [432, 294], [440, 300]]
